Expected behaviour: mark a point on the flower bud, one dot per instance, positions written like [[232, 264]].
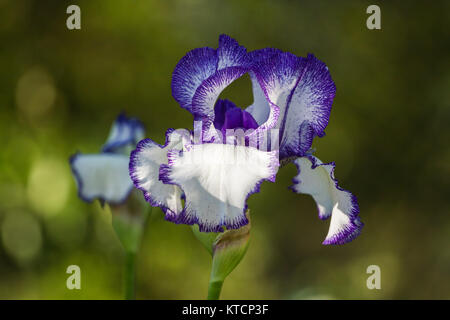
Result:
[[207, 239], [227, 249]]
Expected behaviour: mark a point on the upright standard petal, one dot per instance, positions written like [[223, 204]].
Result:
[[202, 74], [217, 179], [124, 132], [263, 111], [301, 91], [102, 176], [145, 161], [317, 179]]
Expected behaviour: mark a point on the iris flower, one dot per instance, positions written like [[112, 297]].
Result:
[[215, 175], [104, 176]]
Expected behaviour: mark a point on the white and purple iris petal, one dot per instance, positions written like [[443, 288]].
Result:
[[144, 165], [104, 175], [217, 179], [300, 90], [317, 179], [124, 132], [263, 111], [202, 74]]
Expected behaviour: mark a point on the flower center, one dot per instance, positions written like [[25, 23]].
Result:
[[228, 116]]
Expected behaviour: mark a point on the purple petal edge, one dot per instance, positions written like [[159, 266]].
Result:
[[132, 170], [273, 63], [200, 68], [356, 225], [347, 235], [122, 119]]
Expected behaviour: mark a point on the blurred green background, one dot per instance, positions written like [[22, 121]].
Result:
[[389, 135]]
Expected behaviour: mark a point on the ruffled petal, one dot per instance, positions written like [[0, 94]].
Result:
[[124, 132], [202, 74], [300, 90], [145, 161], [260, 109], [217, 179], [263, 111], [317, 179], [102, 176]]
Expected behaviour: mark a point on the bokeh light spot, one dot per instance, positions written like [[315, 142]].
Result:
[[21, 236], [35, 93], [48, 186]]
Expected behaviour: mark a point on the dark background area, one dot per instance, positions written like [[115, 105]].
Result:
[[388, 133]]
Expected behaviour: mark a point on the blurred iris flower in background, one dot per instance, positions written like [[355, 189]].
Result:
[[104, 176]]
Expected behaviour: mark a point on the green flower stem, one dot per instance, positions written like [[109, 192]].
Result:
[[129, 224], [130, 275], [214, 289]]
